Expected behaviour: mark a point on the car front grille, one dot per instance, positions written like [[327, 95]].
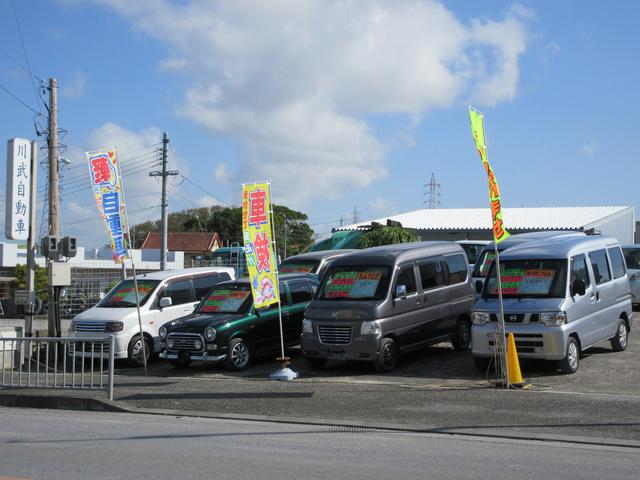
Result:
[[91, 327], [335, 334], [186, 341]]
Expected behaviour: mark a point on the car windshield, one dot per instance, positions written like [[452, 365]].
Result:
[[472, 250], [529, 278], [632, 257], [229, 298], [124, 294], [483, 263], [355, 283], [309, 266]]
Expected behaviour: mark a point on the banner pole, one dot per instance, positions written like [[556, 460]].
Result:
[[504, 367], [282, 358], [133, 269]]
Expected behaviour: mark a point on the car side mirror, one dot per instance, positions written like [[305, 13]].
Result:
[[165, 302], [401, 291], [578, 287], [478, 286]]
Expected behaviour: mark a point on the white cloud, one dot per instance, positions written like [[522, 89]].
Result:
[[294, 81], [75, 87], [590, 148], [381, 207], [138, 156], [549, 51]]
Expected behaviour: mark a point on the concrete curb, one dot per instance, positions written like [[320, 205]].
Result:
[[16, 400]]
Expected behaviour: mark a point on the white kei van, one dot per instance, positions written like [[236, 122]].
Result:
[[561, 296], [164, 296]]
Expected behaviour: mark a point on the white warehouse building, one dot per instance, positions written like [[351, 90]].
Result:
[[475, 223]]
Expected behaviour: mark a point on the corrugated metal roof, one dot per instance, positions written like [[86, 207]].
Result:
[[531, 218]]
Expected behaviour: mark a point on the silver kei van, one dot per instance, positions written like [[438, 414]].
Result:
[[378, 302], [561, 296], [485, 258]]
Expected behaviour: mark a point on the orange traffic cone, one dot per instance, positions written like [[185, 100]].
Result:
[[515, 377]]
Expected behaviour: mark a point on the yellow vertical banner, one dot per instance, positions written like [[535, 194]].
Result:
[[258, 243], [477, 128]]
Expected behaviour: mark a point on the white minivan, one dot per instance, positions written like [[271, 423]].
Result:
[[164, 296], [561, 296]]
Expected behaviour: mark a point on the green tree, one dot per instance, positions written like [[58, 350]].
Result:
[[41, 281], [293, 234], [386, 236], [291, 228]]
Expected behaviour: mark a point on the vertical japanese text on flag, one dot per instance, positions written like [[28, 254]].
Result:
[[477, 127], [257, 237], [106, 183]]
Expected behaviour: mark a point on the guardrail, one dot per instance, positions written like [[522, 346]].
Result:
[[58, 362]]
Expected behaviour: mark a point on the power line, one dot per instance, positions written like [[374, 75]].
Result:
[[97, 218], [204, 191], [24, 51], [16, 98]]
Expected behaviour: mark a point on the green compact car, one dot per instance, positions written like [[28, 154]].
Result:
[[225, 326]]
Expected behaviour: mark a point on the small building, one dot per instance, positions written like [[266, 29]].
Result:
[[195, 245], [475, 223]]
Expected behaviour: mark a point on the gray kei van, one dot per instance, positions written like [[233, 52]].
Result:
[[561, 296], [378, 302]]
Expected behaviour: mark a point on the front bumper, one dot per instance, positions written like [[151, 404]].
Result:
[[532, 340], [361, 348], [200, 356], [120, 344]]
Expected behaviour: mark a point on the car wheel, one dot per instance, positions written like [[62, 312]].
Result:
[[315, 363], [387, 356], [481, 363], [134, 351], [621, 339], [571, 361], [239, 355], [461, 340]]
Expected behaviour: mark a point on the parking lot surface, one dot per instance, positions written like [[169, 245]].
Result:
[[435, 389]]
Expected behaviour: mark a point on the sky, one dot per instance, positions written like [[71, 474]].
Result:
[[348, 107]]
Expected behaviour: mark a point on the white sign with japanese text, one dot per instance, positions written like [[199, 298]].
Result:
[[16, 220]]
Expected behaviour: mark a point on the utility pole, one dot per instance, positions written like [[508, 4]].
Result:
[[355, 214], [164, 221], [53, 321], [31, 242], [53, 157]]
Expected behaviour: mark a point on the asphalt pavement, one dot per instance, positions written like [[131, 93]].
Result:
[[433, 390]]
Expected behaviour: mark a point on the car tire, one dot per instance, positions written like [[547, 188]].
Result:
[[238, 356], [315, 363], [134, 351], [621, 339], [570, 363], [461, 340], [387, 355]]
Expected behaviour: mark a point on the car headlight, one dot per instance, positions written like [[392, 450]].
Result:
[[162, 331], [210, 334], [112, 327], [635, 277], [307, 326], [553, 319], [197, 345], [371, 327], [480, 318], [169, 343]]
